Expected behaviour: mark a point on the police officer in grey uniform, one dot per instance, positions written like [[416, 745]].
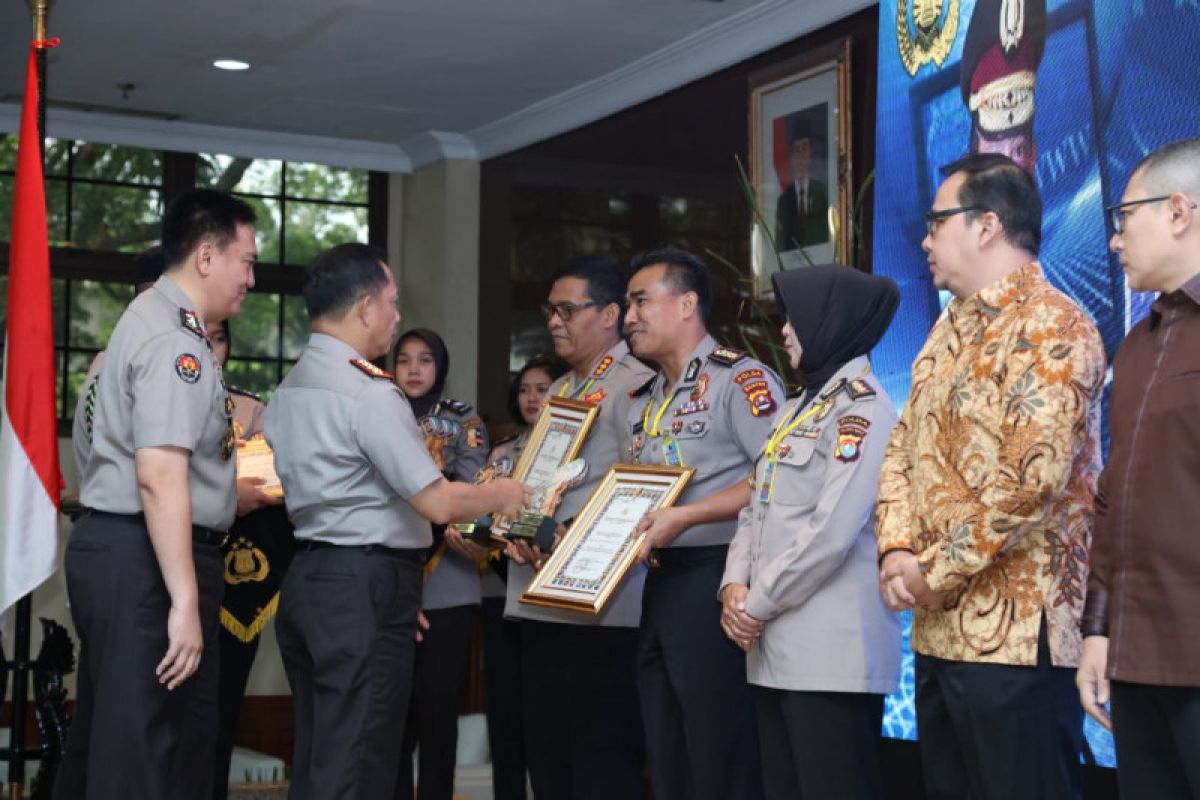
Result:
[[361, 490], [457, 441], [798, 592], [576, 667], [143, 568], [710, 408]]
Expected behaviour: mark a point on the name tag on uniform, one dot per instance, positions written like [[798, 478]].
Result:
[[671, 455], [768, 481]]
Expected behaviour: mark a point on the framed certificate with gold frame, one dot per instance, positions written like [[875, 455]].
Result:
[[600, 547], [256, 459], [556, 438]]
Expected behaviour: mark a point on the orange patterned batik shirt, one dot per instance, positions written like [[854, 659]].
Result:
[[990, 475]]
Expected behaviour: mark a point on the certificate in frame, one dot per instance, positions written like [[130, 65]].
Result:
[[556, 438], [600, 548], [256, 459]]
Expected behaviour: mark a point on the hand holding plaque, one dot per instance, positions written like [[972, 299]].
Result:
[[255, 459], [538, 524], [480, 531]]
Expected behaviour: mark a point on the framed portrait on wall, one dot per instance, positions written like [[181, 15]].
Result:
[[800, 163]]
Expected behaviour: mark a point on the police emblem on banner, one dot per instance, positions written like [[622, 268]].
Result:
[[927, 37], [256, 555]]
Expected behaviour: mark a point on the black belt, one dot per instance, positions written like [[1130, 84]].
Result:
[[673, 557], [416, 555], [200, 534]]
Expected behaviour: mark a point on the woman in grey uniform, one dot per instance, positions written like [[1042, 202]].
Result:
[[501, 637], [457, 441], [799, 591]]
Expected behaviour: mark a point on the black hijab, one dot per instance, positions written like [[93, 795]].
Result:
[[838, 313], [441, 359]]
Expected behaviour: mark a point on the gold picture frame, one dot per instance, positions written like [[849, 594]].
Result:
[[599, 549], [556, 438], [806, 98]]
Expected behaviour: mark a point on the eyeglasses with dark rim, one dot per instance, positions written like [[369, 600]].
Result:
[[1118, 211], [566, 310], [934, 216]]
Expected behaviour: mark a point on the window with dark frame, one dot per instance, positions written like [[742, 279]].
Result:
[[104, 203]]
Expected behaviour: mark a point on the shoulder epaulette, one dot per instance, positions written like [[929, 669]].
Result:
[[727, 355], [244, 393], [457, 406], [190, 320], [644, 388], [371, 369], [603, 366], [833, 389], [858, 389]]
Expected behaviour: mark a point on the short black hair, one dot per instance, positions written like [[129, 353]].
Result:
[[341, 276], [995, 182], [605, 277], [686, 272], [198, 214], [554, 367]]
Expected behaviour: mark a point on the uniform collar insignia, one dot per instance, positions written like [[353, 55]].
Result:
[[191, 320], [371, 369], [693, 370]]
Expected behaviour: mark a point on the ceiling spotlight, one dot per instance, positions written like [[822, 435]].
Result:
[[231, 64]]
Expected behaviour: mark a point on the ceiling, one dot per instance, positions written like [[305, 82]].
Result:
[[382, 84]]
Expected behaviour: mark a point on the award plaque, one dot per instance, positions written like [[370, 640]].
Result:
[[556, 438], [256, 459], [593, 557], [538, 524]]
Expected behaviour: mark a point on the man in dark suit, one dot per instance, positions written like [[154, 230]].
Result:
[[802, 213]]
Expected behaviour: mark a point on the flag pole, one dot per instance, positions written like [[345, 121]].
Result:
[[21, 666]]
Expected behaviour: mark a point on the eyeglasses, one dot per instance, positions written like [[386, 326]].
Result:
[[1118, 212], [566, 310], [933, 217]]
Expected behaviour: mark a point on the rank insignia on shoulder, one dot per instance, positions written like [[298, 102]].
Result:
[[596, 397], [371, 369], [244, 393], [693, 369], [457, 406], [727, 355], [191, 321], [603, 366], [187, 367], [852, 430], [858, 389]]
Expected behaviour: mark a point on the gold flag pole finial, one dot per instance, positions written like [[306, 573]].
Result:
[[40, 9]]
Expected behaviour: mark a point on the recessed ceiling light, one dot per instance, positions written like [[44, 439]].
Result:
[[231, 64]]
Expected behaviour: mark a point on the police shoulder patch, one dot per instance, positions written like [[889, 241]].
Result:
[[187, 367], [851, 430], [726, 355], [370, 369]]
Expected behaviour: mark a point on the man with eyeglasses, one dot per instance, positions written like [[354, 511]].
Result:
[[711, 408], [1141, 634], [985, 498], [583, 732]]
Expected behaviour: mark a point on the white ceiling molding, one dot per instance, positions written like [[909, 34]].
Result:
[[734, 39], [188, 137], [431, 146]]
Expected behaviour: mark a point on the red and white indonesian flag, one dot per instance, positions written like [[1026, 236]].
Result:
[[30, 481]]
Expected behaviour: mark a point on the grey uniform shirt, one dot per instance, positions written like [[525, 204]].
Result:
[[714, 419], [609, 383], [160, 386], [85, 407], [490, 584], [348, 451], [457, 440], [808, 553]]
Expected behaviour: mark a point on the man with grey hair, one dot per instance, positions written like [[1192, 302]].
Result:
[[1140, 628]]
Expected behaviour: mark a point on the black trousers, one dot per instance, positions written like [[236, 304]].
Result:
[[237, 658], [819, 745], [502, 678], [995, 732], [433, 714], [131, 738], [583, 732], [346, 626], [1157, 732], [696, 705]]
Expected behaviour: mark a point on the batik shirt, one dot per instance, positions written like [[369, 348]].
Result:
[[990, 474]]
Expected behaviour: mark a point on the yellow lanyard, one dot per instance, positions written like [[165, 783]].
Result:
[[784, 428], [566, 388], [657, 429]]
